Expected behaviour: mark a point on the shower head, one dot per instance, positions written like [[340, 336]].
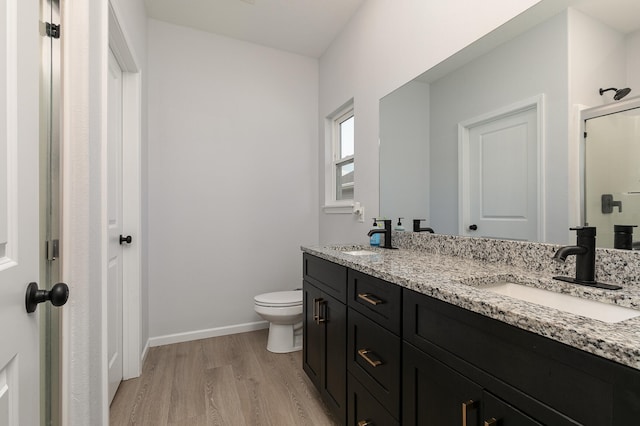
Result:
[[619, 93]]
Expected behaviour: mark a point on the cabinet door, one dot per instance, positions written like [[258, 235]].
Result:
[[497, 412], [324, 354], [312, 334], [434, 394], [364, 409], [373, 357], [334, 380]]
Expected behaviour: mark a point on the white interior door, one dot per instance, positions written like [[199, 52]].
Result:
[[19, 217], [114, 223], [503, 178]]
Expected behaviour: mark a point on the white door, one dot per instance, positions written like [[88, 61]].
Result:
[[19, 217], [114, 223], [503, 178]]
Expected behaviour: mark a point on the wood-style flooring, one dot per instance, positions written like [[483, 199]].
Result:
[[227, 380]]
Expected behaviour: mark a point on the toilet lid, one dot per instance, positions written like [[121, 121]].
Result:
[[280, 298]]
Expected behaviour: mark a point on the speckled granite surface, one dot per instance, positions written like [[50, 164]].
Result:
[[454, 269]]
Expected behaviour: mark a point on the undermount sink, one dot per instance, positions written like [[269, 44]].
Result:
[[563, 302], [360, 252]]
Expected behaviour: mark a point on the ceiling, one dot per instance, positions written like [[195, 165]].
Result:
[[305, 27], [623, 15]]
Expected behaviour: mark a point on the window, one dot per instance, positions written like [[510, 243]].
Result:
[[339, 179], [344, 156]]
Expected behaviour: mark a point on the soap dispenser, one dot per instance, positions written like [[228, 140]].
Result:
[[399, 227], [374, 240]]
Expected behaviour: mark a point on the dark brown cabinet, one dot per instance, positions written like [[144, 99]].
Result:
[[385, 355], [523, 376], [440, 395], [499, 413], [437, 394], [364, 409], [325, 332], [374, 349]]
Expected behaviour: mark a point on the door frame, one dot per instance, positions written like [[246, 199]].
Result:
[[85, 44], [464, 128], [131, 196]]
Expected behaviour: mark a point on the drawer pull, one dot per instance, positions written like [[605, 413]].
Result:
[[317, 305], [491, 422], [466, 408], [365, 423], [366, 355], [370, 298], [321, 303], [315, 310]]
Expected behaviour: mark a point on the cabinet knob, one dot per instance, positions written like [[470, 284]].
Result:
[[365, 423], [491, 422], [473, 227]]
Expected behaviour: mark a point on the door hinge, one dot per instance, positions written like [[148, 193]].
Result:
[[585, 135], [53, 30], [53, 249]]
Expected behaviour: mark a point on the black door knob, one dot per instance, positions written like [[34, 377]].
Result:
[[126, 239], [473, 227], [58, 296]]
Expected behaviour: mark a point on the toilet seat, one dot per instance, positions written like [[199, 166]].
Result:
[[279, 299]]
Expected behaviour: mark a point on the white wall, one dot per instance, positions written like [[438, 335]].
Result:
[[233, 177], [385, 45], [531, 64]]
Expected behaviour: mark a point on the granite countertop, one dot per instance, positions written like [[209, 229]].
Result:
[[460, 281]]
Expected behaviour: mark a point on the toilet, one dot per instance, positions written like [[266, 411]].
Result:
[[283, 310]]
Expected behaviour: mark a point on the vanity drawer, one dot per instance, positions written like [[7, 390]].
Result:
[[374, 358], [379, 300], [327, 276], [363, 409]]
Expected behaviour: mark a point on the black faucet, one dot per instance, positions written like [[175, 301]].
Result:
[[585, 252], [417, 228], [386, 231]]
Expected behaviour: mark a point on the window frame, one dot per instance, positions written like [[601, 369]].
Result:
[[334, 159]]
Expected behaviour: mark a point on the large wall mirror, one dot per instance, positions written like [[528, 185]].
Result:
[[488, 143]]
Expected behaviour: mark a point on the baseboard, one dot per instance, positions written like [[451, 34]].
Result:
[[145, 351], [205, 334]]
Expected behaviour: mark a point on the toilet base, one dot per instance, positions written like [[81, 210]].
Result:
[[284, 338]]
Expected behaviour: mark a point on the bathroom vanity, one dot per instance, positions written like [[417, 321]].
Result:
[[417, 336]]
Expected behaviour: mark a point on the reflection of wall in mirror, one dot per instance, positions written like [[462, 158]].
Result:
[[633, 63], [612, 166], [404, 145]]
